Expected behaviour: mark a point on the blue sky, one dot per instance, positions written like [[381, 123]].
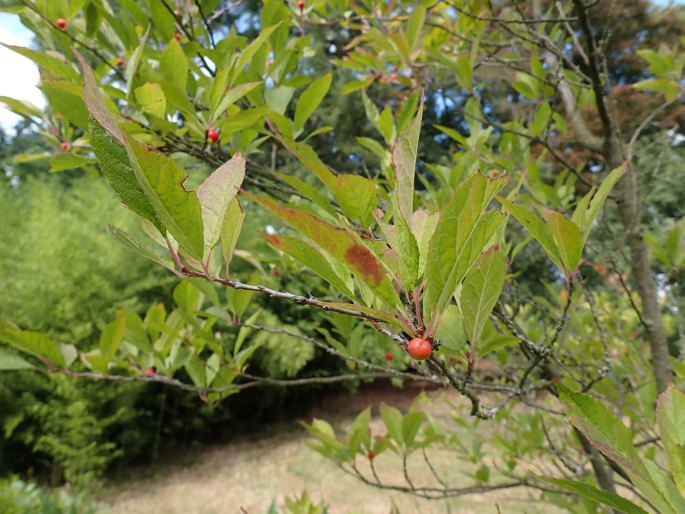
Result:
[[21, 76]]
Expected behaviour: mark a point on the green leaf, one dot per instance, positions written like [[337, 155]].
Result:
[[69, 161], [462, 233], [111, 338], [480, 291], [527, 85], [588, 208], [232, 96], [251, 49], [151, 98], [356, 196], [95, 103], [12, 362], [174, 65], [161, 178], [116, 167], [58, 67], [65, 99], [392, 418], [404, 163], [594, 494], [311, 98], [341, 244], [671, 422], [668, 88], [215, 195], [230, 229], [451, 331], [537, 228], [196, 371], [33, 343], [410, 426], [568, 240], [414, 26], [188, 297], [610, 436], [312, 258], [139, 247]]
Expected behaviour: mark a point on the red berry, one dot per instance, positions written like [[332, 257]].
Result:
[[150, 371], [300, 4], [213, 136], [393, 76], [61, 23], [389, 356], [120, 62], [65, 146], [270, 62], [177, 36], [420, 349], [371, 454]]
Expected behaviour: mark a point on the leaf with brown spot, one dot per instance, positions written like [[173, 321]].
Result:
[[340, 244]]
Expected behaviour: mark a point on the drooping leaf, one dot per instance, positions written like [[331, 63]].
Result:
[[116, 166], [338, 243], [568, 240], [11, 362], [215, 195], [610, 436], [161, 179], [230, 229], [33, 343], [480, 291], [594, 494], [95, 103], [312, 258]]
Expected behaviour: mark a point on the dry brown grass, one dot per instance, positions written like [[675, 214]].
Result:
[[254, 473]]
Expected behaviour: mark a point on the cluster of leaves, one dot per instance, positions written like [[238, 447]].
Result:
[[431, 260]]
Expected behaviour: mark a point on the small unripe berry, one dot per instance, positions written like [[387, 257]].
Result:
[[371, 454], [177, 36], [65, 146], [389, 356], [213, 135], [420, 349], [300, 4], [61, 23]]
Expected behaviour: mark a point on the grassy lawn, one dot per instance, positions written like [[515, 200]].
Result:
[[253, 473]]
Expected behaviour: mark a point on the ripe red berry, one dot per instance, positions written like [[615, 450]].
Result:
[[213, 136], [120, 62], [393, 76], [371, 454], [65, 146], [300, 4], [150, 371], [61, 23], [177, 36], [389, 356], [420, 349]]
